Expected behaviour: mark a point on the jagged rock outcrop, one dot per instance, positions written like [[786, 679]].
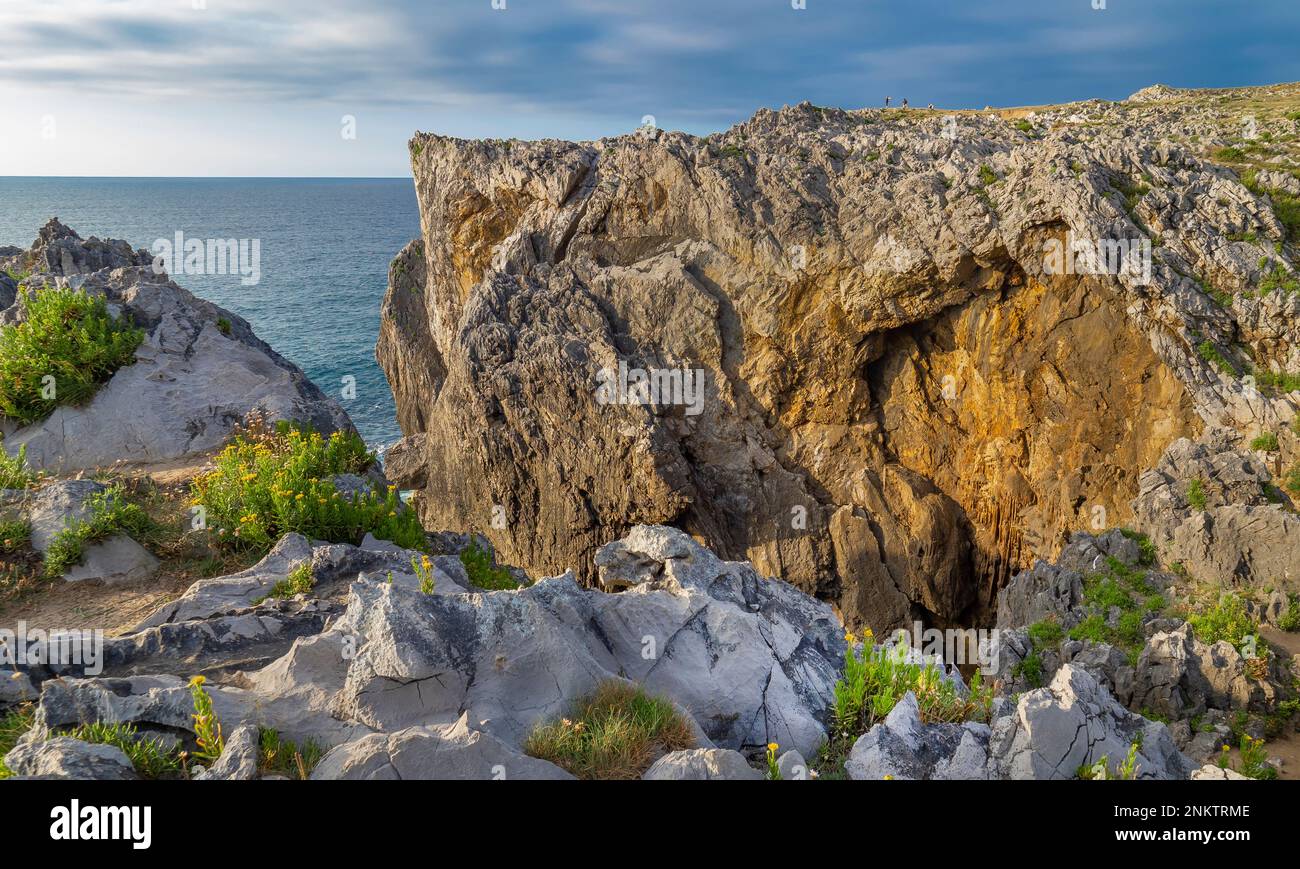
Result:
[[881, 392], [199, 371], [1049, 733], [403, 683], [1243, 528]]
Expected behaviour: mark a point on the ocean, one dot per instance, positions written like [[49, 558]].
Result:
[[325, 245]]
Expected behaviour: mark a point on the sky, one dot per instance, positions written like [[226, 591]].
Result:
[[336, 87]]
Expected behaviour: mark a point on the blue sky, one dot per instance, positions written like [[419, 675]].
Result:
[[255, 87]]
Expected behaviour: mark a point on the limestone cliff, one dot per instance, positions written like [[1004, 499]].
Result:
[[906, 397]]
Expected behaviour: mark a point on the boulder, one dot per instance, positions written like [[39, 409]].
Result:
[[702, 764], [454, 751], [1074, 723], [67, 758], [902, 747], [240, 760]]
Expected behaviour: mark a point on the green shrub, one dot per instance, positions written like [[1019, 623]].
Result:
[[1226, 620], [1266, 442], [148, 755], [1030, 669], [615, 733], [66, 335], [13, 469], [271, 482], [988, 177], [299, 581], [1045, 634], [1230, 154], [877, 678], [1093, 628], [1147, 555], [482, 572], [13, 725], [1196, 495], [14, 535], [1274, 382], [279, 756], [1290, 620], [1213, 355], [1280, 280], [108, 512], [1102, 770]]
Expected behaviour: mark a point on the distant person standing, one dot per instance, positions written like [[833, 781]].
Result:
[[904, 102], [930, 106], [886, 102]]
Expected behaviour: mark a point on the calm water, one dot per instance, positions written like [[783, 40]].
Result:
[[325, 248]]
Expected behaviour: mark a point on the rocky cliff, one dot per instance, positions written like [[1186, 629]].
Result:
[[905, 394]]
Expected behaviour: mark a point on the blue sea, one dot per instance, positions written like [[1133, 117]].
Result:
[[325, 248]]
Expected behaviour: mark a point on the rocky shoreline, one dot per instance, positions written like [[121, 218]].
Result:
[[734, 577]]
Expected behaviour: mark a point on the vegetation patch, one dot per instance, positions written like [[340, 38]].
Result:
[[108, 513], [299, 581], [13, 469], [1227, 620], [65, 349], [1265, 442], [483, 571], [13, 725], [1208, 351], [272, 481], [149, 756], [1196, 497], [615, 733], [280, 756]]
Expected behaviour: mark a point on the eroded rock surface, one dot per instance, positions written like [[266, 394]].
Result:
[[900, 407], [199, 371]]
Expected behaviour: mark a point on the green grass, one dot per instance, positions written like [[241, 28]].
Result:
[[299, 581], [873, 682], [279, 756], [1147, 555], [14, 535], [107, 513], [1127, 589], [150, 759], [13, 725], [269, 482], [13, 469], [223, 326], [1213, 355], [482, 572], [988, 177], [1290, 620], [1279, 280], [731, 152], [614, 733], [1275, 383], [65, 349], [1196, 495], [1265, 442], [1045, 633], [1030, 669], [1226, 619]]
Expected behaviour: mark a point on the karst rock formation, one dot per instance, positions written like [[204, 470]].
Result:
[[886, 388]]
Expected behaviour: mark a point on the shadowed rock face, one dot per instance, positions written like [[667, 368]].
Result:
[[900, 407]]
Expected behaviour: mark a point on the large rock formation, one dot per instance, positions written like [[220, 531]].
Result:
[[865, 371], [199, 371]]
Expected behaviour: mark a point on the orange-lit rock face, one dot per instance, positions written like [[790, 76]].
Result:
[[899, 409]]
